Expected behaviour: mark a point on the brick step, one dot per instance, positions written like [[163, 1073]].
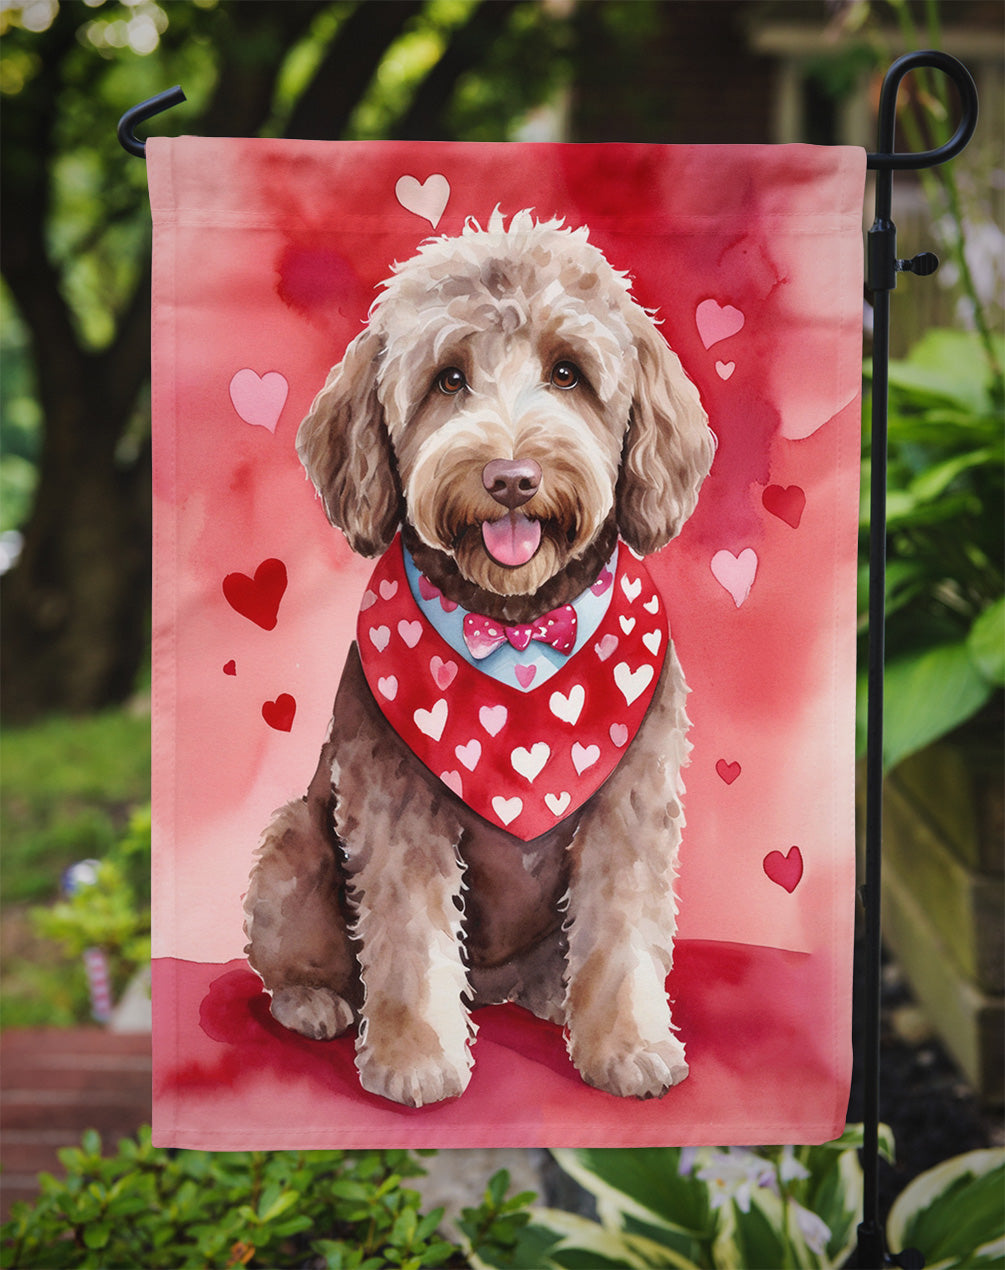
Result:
[[55, 1084]]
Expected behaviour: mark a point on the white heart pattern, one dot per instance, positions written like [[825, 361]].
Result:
[[379, 637], [410, 632], [507, 809], [530, 762], [653, 605], [606, 646], [584, 756], [470, 753], [652, 639], [558, 803], [568, 708], [388, 686], [432, 722], [493, 719], [627, 624], [632, 683], [631, 588]]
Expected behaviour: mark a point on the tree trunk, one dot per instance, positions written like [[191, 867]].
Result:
[[74, 614]]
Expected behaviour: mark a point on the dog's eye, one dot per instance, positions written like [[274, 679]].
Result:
[[565, 375], [451, 381]]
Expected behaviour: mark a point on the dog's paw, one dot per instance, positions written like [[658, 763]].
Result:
[[642, 1071], [318, 1013], [416, 1083]]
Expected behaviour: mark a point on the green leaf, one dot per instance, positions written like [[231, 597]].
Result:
[[645, 1182], [586, 1243], [947, 366], [986, 643], [927, 694], [273, 1205], [97, 1234], [953, 1213]]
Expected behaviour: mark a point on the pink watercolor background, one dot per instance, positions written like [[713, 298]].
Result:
[[267, 256]]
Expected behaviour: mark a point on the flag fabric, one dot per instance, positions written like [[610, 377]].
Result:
[[540, 462]]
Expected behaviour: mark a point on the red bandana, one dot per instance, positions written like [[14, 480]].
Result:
[[522, 760]]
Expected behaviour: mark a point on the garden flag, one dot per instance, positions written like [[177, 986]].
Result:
[[506, 508]]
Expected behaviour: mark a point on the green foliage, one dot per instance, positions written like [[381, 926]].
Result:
[[500, 1232], [702, 1208], [111, 913], [954, 1214], [342, 1210], [68, 787], [945, 612]]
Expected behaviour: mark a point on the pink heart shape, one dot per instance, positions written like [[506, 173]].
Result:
[[525, 675], [728, 772], [717, 322], [735, 573], [619, 734], [784, 870], [606, 646], [442, 671], [427, 198], [452, 780], [259, 399]]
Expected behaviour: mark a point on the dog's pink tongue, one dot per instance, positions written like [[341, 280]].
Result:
[[512, 540]]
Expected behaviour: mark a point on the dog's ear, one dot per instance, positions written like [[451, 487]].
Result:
[[344, 446], [668, 448]]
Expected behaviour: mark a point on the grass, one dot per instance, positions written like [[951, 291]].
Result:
[[69, 785], [68, 788]]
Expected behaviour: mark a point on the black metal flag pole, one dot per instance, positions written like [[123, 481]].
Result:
[[882, 267]]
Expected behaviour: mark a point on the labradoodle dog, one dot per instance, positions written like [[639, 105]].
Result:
[[496, 813]]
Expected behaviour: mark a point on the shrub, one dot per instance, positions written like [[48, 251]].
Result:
[[328, 1210]]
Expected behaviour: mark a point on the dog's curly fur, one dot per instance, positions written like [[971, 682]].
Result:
[[380, 898]]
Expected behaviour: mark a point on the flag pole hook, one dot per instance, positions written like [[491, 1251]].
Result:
[[126, 130]]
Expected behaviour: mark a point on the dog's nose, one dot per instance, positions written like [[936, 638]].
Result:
[[512, 482]]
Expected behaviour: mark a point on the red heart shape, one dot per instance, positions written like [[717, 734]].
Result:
[[279, 714], [728, 771], [257, 598], [786, 502], [785, 870], [230, 668]]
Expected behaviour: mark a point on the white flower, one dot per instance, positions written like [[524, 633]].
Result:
[[685, 1166], [789, 1168], [813, 1229], [731, 1175]]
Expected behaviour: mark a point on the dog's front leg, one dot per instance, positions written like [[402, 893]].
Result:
[[622, 912], [405, 882]]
